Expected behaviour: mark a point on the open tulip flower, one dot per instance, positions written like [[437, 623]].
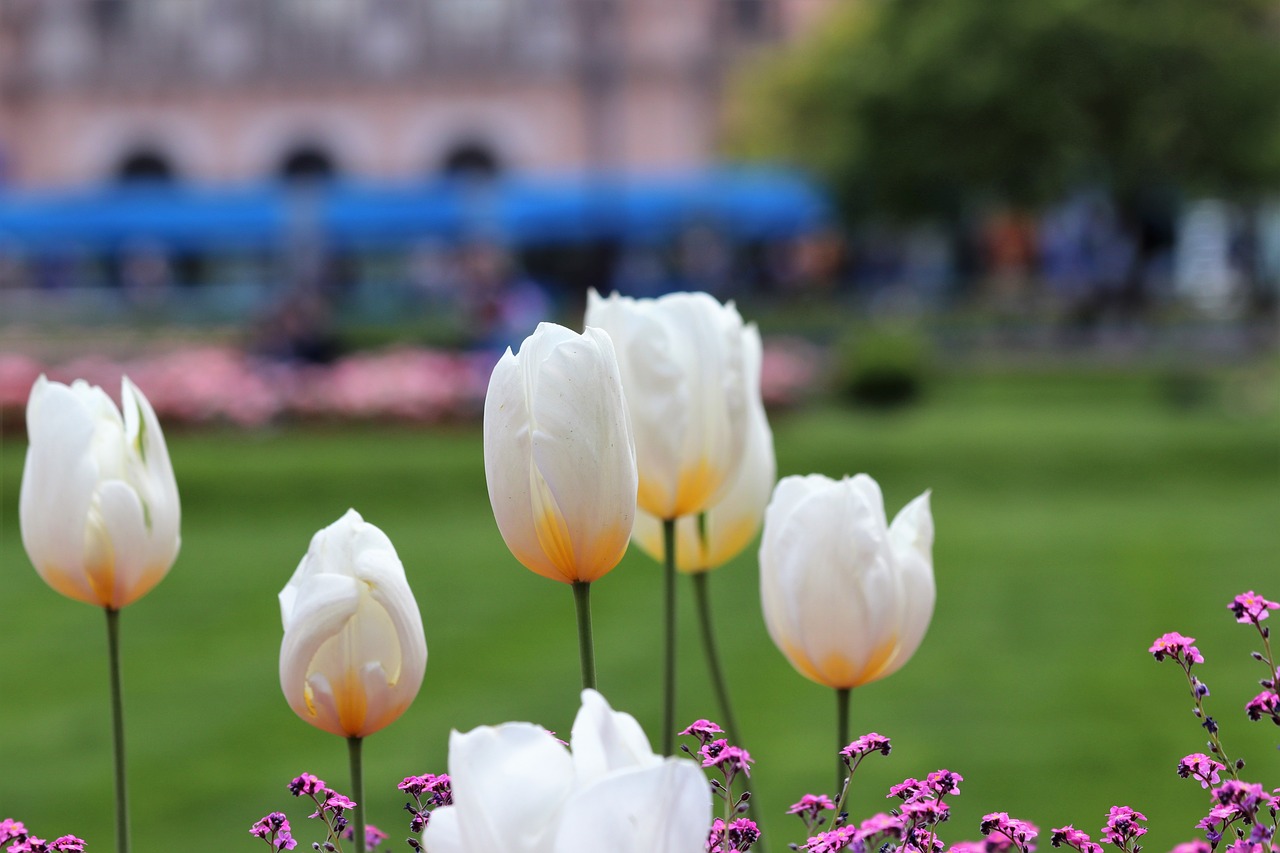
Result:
[[98, 505], [354, 653], [559, 458], [846, 597], [732, 522], [516, 789], [683, 369]]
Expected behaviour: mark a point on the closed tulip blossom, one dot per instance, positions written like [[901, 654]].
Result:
[[684, 371], [847, 597], [98, 504], [517, 789], [354, 653], [559, 457], [733, 521]]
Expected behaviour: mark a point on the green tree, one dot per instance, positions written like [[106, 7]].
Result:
[[915, 107]]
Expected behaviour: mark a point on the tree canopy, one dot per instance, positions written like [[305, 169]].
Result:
[[916, 107]]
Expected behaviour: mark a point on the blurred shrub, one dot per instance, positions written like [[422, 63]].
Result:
[[881, 367]]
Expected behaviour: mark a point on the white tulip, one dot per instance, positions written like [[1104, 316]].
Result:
[[98, 505], [846, 598], [559, 456], [686, 382], [732, 522], [516, 789], [354, 653]]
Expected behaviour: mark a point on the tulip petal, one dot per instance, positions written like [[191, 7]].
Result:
[[605, 740], [125, 575], [152, 476], [510, 783], [583, 453], [912, 537], [508, 466], [59, 478], [659, 809], [443, 834]]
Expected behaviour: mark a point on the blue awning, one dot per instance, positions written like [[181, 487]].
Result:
[[517, 211]]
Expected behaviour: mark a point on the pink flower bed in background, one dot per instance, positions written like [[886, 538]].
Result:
[[222, 385]]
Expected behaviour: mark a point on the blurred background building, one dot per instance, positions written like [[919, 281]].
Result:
[[234, 91]]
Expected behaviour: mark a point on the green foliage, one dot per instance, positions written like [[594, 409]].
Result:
[[881, 367], [1077, 520], [919, 106]]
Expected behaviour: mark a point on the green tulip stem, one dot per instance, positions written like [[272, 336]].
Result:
[[702, 594], [357, 789], [586, 647], [117, 730], [669, 661], [842, 732]]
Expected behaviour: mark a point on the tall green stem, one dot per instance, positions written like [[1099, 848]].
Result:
[[702, 595], [842, 731], [586, 648], [357, 788], [117, 731], [669, 661]]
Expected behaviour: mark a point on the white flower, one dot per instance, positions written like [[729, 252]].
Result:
[[734, 520], [99, 505], [686, 382], [353, 653], [516, 789], [846, 598], [559, 458]]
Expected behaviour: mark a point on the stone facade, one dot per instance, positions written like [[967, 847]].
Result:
[[233, 91]]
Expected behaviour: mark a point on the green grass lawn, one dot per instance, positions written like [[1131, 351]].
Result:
[[1077, 519]]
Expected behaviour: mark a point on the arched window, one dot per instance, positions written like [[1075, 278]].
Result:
[[145, 165], [308, 163], [471, 159]]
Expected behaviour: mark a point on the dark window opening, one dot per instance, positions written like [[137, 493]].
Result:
[[145, 166], [472, 160], [308, 163]]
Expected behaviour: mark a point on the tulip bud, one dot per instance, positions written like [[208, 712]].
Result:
[[733, 521], [353, 654], [846, 598], [682, 364], [558, 454], [98, 505]]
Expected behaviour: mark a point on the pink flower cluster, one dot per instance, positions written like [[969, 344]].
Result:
[[15, 834], [221, 384]]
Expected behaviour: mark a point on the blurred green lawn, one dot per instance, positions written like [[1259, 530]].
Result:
[[1077, 518]]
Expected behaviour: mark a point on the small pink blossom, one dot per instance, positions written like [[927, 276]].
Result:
[[811, 805], [1251, 608], [1199, 766], [867, 744], [1178, 647]]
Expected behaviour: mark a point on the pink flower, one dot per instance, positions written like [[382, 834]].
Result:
[[1122, 826], [1265, 704], [867, 744], [1072, 837], [1249, 607], [1177, 647], [1201, 767], [811, 804]]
